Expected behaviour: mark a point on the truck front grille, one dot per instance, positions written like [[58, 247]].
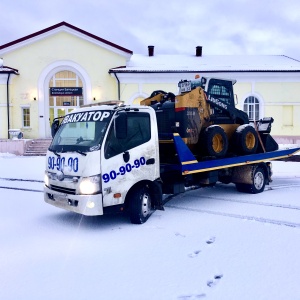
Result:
[[62, 189]]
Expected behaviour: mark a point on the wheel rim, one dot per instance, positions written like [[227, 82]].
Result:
[[259, 180], [217, 143], [146, 205], [250, 140]]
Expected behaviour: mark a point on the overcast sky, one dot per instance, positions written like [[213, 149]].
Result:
[[173, 27]]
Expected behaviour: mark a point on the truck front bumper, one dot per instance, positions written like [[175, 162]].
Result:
[[88, 205]]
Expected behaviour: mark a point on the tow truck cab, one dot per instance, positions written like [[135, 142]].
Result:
[[99, 155]]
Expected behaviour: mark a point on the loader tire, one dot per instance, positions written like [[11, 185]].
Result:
[[140, 205], [154, 93], [215, 141], [246, 140]]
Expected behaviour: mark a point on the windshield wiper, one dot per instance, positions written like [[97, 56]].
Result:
[[64, 151], [80, 152], [55, 152]]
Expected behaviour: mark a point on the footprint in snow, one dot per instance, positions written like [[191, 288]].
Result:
[[191, 297], [213, 282], [211, 240], [179, 234], [194, 254]]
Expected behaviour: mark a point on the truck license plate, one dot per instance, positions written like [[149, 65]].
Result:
[[60, 198]]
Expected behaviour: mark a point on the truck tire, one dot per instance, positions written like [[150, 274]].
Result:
[[258, 184], [140, 205], [246, 140], [215, 141]]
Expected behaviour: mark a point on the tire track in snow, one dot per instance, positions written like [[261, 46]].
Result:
[[20, 188], [246, 217], [18, 179], [280, 205], [237, 216], [281, 186], [277, 187]]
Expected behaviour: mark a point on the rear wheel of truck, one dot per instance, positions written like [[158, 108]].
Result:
[[258, 183], [215, 141], [140, 205], [246, 140]]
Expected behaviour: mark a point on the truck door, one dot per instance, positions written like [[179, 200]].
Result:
[[129, 160]]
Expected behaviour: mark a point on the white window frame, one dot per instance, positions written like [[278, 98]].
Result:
[[23, 107], [258, 102]]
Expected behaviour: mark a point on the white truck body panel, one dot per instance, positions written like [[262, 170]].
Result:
[[118, 175]]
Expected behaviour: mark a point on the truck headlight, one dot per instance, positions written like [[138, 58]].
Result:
[[46, 179], [90, 185]]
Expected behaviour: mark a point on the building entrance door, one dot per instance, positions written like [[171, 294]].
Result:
[[65, 94]]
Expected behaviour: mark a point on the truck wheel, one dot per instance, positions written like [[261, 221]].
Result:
[[258, 184], [215, 141], [259, 181], [140, 207], [246, 140]]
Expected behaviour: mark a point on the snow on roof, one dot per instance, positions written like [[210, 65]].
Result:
[[6, 70], [190, 63]]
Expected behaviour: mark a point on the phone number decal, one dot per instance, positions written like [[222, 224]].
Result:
[[59, 163], [123, 169]]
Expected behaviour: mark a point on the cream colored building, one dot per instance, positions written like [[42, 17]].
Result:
[[267, 85], [62, 67], [61, 56]]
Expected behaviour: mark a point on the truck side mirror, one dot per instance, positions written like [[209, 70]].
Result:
[[54, 127], [121, 125]]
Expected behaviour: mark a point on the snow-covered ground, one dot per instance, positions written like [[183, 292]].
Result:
[[213, 243]]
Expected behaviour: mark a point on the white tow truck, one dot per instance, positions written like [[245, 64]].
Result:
[[108, 158]]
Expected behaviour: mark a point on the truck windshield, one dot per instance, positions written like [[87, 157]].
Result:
[[82, 132]]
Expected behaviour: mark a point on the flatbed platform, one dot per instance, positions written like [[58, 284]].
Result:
[[189, 164]]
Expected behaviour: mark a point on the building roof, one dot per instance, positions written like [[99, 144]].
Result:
[[208, 63], [68, 26], [174, 63]]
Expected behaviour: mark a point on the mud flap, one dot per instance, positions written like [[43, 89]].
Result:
[[156, 189]]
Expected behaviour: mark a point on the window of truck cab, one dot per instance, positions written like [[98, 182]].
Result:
[[138, 133], [81, 131]]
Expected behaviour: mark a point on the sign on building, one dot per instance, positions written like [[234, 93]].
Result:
[[66, 91]]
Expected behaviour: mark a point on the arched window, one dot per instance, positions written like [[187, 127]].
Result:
[[251, 107], [59, 105]]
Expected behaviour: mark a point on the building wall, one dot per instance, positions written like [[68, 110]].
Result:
[[282, 103], [131, 92], [278, 96], [3, 107], [38, 61]]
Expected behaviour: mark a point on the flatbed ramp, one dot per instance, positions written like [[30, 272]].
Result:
[[189, 164]]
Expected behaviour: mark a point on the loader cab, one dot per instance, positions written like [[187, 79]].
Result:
[[221, 89], [217, 88]]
